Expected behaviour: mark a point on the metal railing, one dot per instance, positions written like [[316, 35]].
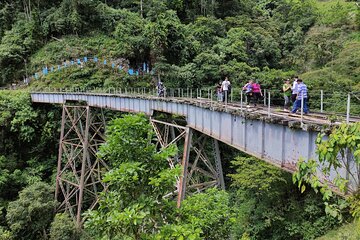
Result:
[[340, 106]]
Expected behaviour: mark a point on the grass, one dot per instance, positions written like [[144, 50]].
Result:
[[73, 47], [350, 231]]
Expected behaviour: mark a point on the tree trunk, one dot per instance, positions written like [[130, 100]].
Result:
[[29, 7]]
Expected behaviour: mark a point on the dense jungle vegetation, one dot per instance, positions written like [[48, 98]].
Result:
[[190, 44]]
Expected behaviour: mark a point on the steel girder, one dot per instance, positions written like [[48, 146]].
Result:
[[79, 170], [200, 160]]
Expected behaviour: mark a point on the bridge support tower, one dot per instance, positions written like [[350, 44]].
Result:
[[78, 178], [80, 170], [199, 156]]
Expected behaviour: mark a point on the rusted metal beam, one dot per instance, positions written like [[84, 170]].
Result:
[[218, 164], [85, 132], [79, 171], [184, 164]]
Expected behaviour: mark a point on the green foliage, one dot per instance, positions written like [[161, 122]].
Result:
[[292, 15], [129, 140], [63, 227], [347, 63], [17, 112], [205, 31], [165, 35], [357, 18], [336, 13], [266, 203], [133, 206], [322, 45], [87, 78], [188, 44], [71, 17], [256, 33], [6, 16], [29, 216], [348, 231], [15, 46], [71, 47], [250, 175], [343, 140], [28, 137], [5, 234], [211, 212], [207, 69], [178, 232], [129, 34], [339, 150], [355, 205]]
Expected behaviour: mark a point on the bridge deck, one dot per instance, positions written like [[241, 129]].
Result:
[[276, 137]]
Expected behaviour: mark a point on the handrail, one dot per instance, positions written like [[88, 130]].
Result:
[[338, 108]]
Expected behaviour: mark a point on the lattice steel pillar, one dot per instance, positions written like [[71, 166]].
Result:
[[79, 170], [219, 169], [200, 159], [184, 163]]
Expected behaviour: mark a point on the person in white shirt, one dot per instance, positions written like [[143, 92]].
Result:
[[225, 89], [294, 90]]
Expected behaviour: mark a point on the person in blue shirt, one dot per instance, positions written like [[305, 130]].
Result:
[[301, 93], [248, 88], [160, 89]]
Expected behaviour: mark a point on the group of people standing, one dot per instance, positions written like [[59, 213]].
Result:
[[297, 93], [253, 92]]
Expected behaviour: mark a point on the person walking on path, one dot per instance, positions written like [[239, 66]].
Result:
[[294, 90], [219, 93], [248, 88], [256, 90], [160, 89], [287, 94], [225, 89], [301, 95]]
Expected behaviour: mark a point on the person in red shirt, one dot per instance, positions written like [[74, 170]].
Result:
[[256, 89]]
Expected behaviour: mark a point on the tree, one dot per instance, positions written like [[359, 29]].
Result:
[[63, 227], [130, 35], [207, 215], [134, 205], [30, 216], [232, 46], [266, 203], [207, 71], [205, 32], [28, 139], [209, 211], [166, 37], [71, 17], [16, 45]]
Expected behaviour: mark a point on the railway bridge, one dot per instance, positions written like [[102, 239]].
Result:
[[270, 135]]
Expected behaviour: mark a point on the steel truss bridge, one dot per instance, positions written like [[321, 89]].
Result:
[[278, 139]]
